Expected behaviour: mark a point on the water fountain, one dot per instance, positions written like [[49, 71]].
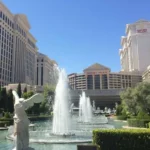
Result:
[[85, 108], [89, 109], [61, 118], [63, 128]]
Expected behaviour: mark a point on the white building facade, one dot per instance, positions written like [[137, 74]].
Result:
[[45, 70], [135, 52], [18, 51]]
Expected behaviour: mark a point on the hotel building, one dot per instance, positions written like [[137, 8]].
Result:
[[18, 51], [97, 77], [135, 52], [146, 75], [45, 70]]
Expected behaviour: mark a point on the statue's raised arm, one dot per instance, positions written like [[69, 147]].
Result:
[[16, 97], [36, 98]]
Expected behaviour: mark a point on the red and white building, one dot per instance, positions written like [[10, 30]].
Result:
[[135, 52]]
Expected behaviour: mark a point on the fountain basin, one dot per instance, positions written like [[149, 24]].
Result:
[[82, 133], [56, 139], [63, 134]]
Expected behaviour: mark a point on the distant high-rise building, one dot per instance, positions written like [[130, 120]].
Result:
[[135, 52], [99, 77], [45, 70], [18, 49]]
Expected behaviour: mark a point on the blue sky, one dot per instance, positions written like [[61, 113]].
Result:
[[78, 33]]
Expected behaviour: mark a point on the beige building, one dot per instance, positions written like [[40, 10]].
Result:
[[23, 86], [17, 49], [77, 81], [100, 77], [135, 52], [45, 70], [146, 75]]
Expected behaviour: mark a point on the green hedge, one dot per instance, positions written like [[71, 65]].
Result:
[[39, 118], [122, 139], [143, 123], [10, 120], [31, 118], [4, 123]]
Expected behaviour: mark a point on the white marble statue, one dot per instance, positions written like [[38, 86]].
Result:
[[21, 121]]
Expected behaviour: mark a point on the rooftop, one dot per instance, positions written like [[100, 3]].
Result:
[[96, 66]]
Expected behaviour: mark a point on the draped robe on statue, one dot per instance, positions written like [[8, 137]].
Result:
[[21, 121], [21, 125]]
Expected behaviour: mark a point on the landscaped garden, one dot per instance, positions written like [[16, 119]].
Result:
[[122, 139], [135, 108], [37, 112]]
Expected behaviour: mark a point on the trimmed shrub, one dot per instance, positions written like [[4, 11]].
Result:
[[142, 123], [10, 120], [122, 117], [7, 115], [122, 139], [4, 123]]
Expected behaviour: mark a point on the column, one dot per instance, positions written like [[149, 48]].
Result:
[[93, 82], [100, 81], [86, 82], [108, 81]]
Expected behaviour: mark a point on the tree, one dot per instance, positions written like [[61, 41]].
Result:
[[137, 99], [142, 96], [4, 99], [129, 102], [35, 108], [46, 105], [25, 90], [0, 98], [27, 94], [19, 90], [119, 110], [48, 91], [10, 101]]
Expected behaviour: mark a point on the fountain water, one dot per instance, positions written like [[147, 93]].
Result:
[[89, 108], [94, 107], [85, 108], [64, 128], [61, 118]]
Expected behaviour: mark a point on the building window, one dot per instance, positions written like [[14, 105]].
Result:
[[97, 81], [104, 81], [89, 82]]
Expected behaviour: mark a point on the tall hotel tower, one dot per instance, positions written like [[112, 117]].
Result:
[[18, 51], [135, 52]]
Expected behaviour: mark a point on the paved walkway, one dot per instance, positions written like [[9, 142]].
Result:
[[121, 120], [3, 128], [127, 127]]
